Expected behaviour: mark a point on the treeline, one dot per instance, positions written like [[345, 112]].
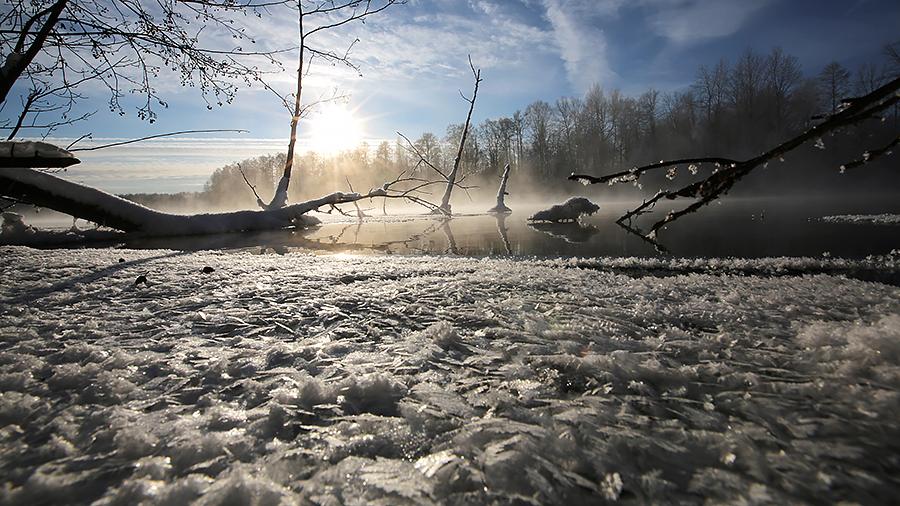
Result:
[[733, 109]]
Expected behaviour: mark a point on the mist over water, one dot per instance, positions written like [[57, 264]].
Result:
[[736, 227], [741, 228]]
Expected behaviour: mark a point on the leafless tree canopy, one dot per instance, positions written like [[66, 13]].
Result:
[[51, 50]]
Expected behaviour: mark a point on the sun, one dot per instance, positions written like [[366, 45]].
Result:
[[334, 128]]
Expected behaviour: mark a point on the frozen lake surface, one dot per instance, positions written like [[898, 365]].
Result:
[[429, 379]]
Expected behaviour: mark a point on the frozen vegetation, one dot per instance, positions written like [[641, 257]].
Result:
[[866, 219], [417, 380]]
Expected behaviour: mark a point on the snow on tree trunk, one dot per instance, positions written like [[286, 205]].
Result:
[[501, 208], [34, 154], [281, 192]]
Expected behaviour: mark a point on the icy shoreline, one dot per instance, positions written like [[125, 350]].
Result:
[[864, 219], [391, 380]]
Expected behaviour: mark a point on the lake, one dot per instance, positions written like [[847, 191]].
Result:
[[735, 227]]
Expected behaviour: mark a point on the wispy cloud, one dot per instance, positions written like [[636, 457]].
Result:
[[581, 43], [690, 21]]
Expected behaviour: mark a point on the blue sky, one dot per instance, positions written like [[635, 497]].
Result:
[[413, 58]]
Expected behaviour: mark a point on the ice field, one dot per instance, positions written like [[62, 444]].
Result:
[[348, 379]]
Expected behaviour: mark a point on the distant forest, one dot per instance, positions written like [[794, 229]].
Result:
[[733, 109]]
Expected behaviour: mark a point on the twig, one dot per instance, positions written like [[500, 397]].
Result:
[[76, 141], [259, 200], [94, 148], [872, 154]]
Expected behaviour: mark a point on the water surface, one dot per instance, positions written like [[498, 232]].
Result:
[[734, 228]]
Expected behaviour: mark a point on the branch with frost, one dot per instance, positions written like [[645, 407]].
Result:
[[872, 154], [728, 172]]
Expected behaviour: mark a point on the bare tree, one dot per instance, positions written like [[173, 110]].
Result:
[[782, 76], [314, 17], [52, 49], [537, 122], [712, 89], [892, 52], [454, 172], [868, 78], [834, 82]]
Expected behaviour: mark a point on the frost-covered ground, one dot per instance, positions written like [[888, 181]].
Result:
[[386, 380], [868, 219]]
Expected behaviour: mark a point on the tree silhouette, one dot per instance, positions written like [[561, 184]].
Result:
[[52, 51]]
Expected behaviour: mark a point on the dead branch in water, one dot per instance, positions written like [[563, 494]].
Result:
[[728, 171], [451, 178], [501, 208]]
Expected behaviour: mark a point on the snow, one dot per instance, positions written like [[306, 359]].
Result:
[[442, 380], [34, 154], [865, 219]]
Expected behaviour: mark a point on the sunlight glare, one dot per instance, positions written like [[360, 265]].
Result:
[[335, 128]]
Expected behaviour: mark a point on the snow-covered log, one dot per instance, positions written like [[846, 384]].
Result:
[[23, 184], [34, 154], [49, 191], [570, 210], [501, 208]]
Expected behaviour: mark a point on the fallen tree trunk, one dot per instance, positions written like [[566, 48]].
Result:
[[25, 185], [94, 205]]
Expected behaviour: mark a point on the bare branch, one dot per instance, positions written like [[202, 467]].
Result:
[[259, 200], [872, 154], [451, 178], [636, 172], [170, 134]]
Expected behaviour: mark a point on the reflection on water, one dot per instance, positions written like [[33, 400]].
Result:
[[503, 231], [742, 228], [569, 232]]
